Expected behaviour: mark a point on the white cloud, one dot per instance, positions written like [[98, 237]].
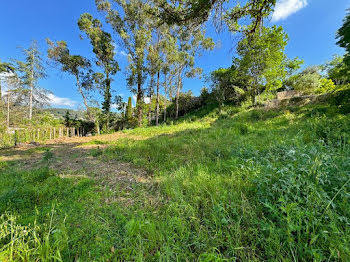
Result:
[[123, 53], [5, 75], [119, 53], [61, 101], [285, 8], [134, 98]]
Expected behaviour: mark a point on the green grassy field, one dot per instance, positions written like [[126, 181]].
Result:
[[243, 185]]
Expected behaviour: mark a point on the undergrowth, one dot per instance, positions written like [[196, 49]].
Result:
[[251, 185]]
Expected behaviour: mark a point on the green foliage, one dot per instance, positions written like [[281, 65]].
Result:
[[282, 195], [327, 85], [262, 62], [129, 110], [67, 119], [133, 28], [194, 13], [226, 87], [28, 243], [307, 81], [104, 50], [337, 70], [30, 71]]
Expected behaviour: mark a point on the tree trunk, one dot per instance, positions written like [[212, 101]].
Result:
[[107, 100], [31, 90], [139, 99], [8, 109], [165, 90], [84, 98], [150, 109], [31, 102], [178, 96], [98, 127], [151, 89], [157, 102], [253, 97]]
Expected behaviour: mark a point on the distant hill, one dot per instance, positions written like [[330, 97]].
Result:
[[60, 112]]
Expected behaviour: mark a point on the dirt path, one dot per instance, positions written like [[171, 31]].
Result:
[[80, 156]]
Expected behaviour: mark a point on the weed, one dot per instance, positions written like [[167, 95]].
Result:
[[95, 152], [257, 185]]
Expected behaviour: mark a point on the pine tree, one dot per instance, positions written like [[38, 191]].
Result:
[[129, 110], [67, 119], [32, 70]]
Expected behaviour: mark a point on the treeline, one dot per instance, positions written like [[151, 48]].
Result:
[[162, 41]]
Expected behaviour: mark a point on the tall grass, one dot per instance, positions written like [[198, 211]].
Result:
[[254, 185]]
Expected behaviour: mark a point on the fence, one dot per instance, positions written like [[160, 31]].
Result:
[[16, 136]]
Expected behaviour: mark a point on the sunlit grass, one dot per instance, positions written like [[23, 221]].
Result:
[[246, 185]]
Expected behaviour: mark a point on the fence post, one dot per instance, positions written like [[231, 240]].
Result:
[[15, 137]]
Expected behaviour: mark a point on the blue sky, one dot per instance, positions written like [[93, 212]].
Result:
[[310, 24]]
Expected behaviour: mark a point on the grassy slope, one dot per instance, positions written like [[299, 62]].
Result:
[[254, 186]]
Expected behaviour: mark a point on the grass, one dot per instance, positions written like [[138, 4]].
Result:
[[249, 185]]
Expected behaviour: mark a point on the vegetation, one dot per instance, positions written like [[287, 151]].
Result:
[[282, 196], [255, 168]]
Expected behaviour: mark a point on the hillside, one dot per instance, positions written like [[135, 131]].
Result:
[[60, 113], [243, 185]]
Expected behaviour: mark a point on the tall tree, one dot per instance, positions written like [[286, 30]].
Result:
[[75, 65], [132, 27], [129, 110], [31, 71], [154, 62], [343, 37], [261, 62], [337, 70], [103, 47], [191, 43]]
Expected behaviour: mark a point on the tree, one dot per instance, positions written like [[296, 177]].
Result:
[[168, 49], [67, 119], [226, 87], [75, 65], [15, 96], [129, 114], [195, 12], [191, 43], [343, 37], [155, 63], [5, 68], [310, 81], [261, 62], [132, 27], [104, 50], [337, 70], [32, 70]]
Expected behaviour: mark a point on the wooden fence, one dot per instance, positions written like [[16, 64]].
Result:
[[16, 136]]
